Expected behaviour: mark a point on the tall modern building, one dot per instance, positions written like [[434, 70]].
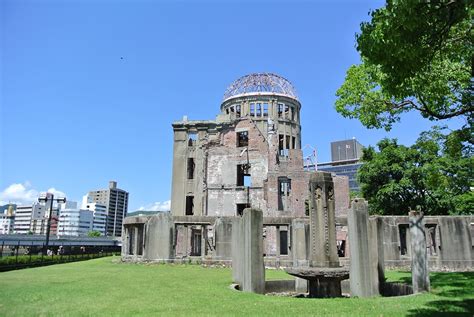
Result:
[[99, 213], [27, 218], [116, 201], [345, 161]]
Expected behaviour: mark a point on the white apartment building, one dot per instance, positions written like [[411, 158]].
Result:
[[28, 218]]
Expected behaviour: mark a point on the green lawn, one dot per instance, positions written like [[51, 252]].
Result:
[[101, 287]]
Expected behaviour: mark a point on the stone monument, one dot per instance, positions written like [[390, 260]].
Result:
[[324, 272]]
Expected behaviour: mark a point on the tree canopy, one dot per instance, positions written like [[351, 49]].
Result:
[[416, 56], [434, 174], [94, 233]]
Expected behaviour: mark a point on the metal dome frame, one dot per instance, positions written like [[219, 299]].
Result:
[[260, 83]]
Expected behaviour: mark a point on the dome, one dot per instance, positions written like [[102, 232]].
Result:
[[260, 83]]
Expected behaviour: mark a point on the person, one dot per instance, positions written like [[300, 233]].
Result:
[[49, 252]]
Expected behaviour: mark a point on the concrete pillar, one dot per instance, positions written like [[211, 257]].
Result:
[[251, 260], [323, 251], [237, 250], [299, 251], [361, 279], [125, 234], [419, 257], [376, 248]]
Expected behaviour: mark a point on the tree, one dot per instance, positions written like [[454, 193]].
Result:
[[416, 56], [93, 234], [434, 174]]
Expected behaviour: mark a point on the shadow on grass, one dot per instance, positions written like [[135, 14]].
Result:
[[457, 290]]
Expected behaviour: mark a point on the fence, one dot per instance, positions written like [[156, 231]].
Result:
[[18, 255]]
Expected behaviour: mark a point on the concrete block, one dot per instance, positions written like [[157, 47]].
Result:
[[159, 237], [419, 258], [237, 250], [223, 239], [361, 279], [253, 273]]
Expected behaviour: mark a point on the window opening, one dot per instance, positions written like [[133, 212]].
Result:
[[243, 175], [431, 239], [191, 168], [240, 208], [281, 145], [259, 110], [196, 237], [402, 231], [252, 109], [189, 205], [265, 109], [280, 110], [287, 112], [192, 138], [238, 111], [283, 242], [284, 191], [242, 138]]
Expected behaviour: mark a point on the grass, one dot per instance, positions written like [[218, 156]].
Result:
[[101, 287]]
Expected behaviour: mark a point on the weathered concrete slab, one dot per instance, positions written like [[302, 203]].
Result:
[[419, 258], [159, 237], [362, 281], [253, 269]]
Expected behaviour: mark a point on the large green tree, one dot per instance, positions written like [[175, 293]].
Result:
[[435, 174], [416, 56]]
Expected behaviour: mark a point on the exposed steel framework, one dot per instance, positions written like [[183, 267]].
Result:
[[260, 83]]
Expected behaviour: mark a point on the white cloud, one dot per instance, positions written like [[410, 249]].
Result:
[[23, 194], [56, 193], [157, 206]]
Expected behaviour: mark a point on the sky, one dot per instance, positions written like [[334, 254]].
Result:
[[89, 89]]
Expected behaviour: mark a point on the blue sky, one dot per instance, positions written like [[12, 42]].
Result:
[[89, 89]]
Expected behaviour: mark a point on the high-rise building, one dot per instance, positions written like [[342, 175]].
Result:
[[99, 214], [116, 201], [75, 222], [27, 218], [345, 161]]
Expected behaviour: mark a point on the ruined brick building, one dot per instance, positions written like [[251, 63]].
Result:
[[249, 156]]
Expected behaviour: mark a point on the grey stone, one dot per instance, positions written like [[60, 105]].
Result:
[[419, 259], [362, 281], [159, 237], [253, 273]]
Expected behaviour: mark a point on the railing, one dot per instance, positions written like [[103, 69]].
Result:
[[15, 256]]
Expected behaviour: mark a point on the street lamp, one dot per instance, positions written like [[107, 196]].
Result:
[[49, 197]]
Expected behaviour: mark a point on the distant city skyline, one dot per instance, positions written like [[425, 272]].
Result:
[[89, 89]]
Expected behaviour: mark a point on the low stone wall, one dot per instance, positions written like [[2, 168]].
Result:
[[449, 244]]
